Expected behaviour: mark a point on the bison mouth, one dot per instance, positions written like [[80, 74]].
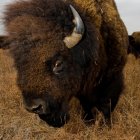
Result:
[[55, 120], [49, 110]]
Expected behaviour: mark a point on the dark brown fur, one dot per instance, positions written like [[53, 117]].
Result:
[[92, 69], [4, 42], [134, 43]]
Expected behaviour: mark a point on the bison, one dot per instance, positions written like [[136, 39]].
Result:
[[134, 41], [64, 49]]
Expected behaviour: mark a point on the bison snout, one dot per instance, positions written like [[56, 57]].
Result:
[[37, 106], [36, 109]]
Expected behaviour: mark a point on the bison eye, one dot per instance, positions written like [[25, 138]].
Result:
[[58, 67]]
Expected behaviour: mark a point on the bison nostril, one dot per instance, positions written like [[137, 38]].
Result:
[[37, 106], [37, 109]]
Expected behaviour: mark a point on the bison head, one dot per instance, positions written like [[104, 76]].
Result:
[[49, 76], [48, 49]]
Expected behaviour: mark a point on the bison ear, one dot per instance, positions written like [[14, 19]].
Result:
[[4, 43]]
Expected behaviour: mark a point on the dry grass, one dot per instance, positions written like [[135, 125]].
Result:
[[17, 124]]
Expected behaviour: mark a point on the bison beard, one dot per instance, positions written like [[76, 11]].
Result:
[[64, 49]]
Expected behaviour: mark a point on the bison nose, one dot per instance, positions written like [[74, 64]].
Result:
[[37, 106], [36, 109]]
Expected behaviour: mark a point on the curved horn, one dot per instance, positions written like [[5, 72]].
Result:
[[77, 34]]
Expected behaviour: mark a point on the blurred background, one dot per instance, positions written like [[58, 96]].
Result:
[[129, 11]]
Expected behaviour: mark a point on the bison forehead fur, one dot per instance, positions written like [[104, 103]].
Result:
[[49, 73]]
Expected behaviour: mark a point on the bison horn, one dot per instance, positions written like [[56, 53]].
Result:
[[77, 34]]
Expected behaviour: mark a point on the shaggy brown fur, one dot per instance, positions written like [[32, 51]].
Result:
[[91, 71]]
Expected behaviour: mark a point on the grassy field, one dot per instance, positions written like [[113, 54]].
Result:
[[17, 124]]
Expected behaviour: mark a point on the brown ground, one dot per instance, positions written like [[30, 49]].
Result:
[[17, 124]]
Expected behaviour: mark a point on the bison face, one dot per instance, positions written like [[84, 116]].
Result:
[[48, 81]]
